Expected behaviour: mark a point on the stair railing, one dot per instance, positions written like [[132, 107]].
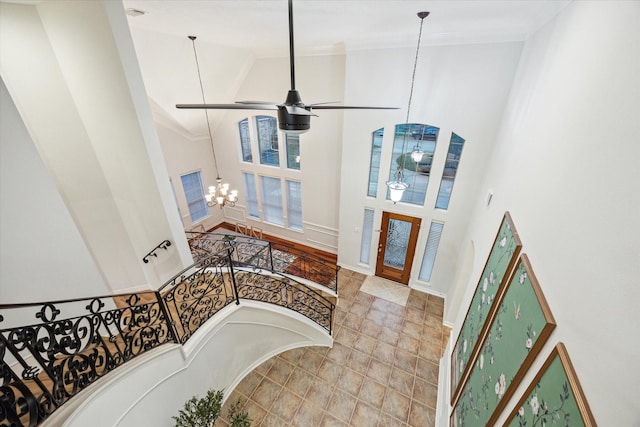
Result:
[[276, 257], [75, 342], [69, 344]]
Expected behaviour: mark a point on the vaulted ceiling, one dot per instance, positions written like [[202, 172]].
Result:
[[261, 26], [232, 34]]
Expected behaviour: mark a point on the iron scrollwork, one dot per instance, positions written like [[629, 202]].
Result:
[[73, 343], [56, 359]]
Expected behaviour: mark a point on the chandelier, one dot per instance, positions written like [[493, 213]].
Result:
[[219, 194], [397, 186]]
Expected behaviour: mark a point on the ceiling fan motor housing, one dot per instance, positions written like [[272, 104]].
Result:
[[292, 122]]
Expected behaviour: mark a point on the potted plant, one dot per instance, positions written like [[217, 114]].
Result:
[[205, 411]]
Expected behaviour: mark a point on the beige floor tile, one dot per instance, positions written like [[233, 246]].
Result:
[[319, 392], [310, 361], [330, 371], [396, 405], [330, 421], [299, 382], [381, 371], [358, 361], [372, 392], [350, 382], [365, 415], [406, 361], [308, 415], [401, 381], [384, 352], [286, 405], [266, 393], [421, 416], [271, 420], [365, 343], [427, 370], [256, 412], [342, 405], [280, 371], [426, 393]]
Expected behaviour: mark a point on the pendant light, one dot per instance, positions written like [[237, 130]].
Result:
[[219, 194], [397, 186]]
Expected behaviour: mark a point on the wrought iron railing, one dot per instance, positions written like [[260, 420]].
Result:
[[68, 345], [74, 343], [276, 257]]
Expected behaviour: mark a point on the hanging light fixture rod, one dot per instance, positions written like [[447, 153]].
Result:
[[219, 194], [397, 186]]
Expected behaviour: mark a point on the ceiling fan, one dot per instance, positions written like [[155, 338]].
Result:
[[294, 116]]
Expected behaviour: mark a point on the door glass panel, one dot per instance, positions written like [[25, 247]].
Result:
[[395, 252]]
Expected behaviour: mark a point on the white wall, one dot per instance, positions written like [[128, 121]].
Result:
[[567, 167], [319, 79], [80, 90], [42, 257], [185, 155], [461, 89]]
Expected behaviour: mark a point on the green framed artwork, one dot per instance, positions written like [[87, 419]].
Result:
[[554, 397], [519, 328], [504, 252]]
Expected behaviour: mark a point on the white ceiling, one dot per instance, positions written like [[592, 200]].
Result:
[[262, 25]]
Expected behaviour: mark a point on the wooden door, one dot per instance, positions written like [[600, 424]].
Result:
[[397, 246]]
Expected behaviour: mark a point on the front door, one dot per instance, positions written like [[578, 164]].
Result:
[[398, 238]]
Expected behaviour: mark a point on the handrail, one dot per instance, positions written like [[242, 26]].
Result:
[[44, 365], [277, 257], [75, 342], [163, 245]]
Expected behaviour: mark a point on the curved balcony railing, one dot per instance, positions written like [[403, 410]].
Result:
[[276, 257], [67, 345]]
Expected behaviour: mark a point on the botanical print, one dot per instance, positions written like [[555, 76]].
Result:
[[552, 399], [519, 328], [503, 254]]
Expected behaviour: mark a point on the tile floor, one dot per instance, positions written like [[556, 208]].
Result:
[[381, 371]]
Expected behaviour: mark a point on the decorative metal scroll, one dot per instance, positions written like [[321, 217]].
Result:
[[261, 254], [285, 293], [71, 344], [53, 360], [194, 299]]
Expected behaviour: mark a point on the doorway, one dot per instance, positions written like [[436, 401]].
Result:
[[397, 246]]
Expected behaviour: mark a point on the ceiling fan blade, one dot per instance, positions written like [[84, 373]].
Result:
[[298, 111], [323, 103], [257, 102], [346, 107], [229, 106]]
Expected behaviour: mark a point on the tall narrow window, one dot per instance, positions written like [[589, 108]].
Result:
[[272, 200], [252, 197], [267, 127], [194, 192], [374, 165], [294, 204], [293, 151], [245, 141], [367, 232], [450, 169], [416, 174], [430, 251]]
